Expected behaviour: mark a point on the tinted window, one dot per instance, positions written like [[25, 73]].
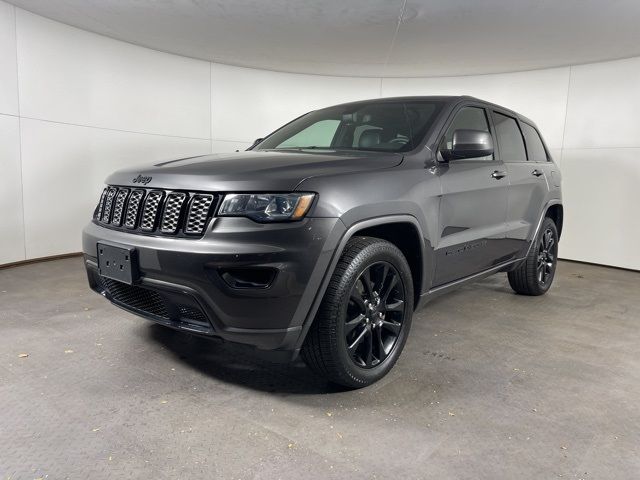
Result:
[[535, 147], [509, 139], [468, 118], [378, 126], [319, 134]]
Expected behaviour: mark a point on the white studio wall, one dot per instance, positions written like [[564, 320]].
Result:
[[81, 105], [11, 212], [75, 105], [249, 103], [601, 163]]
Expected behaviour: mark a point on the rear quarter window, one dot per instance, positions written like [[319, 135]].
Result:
[[535, 147]]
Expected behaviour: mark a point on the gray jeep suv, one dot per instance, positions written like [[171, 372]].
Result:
[[324, 237]]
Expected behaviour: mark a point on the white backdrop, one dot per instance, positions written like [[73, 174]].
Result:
[[75, 105]]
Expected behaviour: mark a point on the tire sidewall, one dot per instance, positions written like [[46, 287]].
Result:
[[374, 253], [546, 224]]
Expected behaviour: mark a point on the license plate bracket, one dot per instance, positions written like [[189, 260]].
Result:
[[118, 263]]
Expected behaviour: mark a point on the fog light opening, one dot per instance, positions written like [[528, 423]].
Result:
[[244, 277]]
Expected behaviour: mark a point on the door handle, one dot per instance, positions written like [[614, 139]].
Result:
[[537, 173], [497, 174]]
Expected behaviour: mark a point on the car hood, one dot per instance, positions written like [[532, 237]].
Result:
[[252, 170]]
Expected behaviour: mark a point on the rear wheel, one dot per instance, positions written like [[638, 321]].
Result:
[[365, 316], [535, 275]]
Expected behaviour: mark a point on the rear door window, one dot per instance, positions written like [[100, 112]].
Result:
[[535, 147], [510, 139]]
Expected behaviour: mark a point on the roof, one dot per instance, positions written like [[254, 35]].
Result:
[[439, 98]]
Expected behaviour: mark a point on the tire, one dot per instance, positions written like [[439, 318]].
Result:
[[374, 321], [535, 274]]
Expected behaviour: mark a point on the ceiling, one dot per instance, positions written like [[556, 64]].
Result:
[[366, 37]]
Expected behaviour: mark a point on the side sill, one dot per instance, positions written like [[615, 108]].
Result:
[[442, 289]]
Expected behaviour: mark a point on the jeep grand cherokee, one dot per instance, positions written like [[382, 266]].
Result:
[[324, 237]]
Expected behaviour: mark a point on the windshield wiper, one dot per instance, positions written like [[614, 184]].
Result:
[[313, 147]]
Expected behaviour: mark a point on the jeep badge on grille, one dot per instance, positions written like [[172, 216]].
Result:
[[141, 179]]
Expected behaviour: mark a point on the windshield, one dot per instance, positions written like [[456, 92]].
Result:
[[377, 126]]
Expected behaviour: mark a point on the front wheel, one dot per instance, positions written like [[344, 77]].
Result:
[[365, 315], [535, 275]]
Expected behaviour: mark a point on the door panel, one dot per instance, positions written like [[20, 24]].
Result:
[[473, 212], [527, 192], [528, 187]]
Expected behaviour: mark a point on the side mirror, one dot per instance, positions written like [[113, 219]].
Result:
[[469, 144], [255, 142]]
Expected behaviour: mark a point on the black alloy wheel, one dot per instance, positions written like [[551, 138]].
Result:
[[535, 274], [547, 250], [374, 315], [365, 317]]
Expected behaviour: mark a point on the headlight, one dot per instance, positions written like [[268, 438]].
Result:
[[266, 207]]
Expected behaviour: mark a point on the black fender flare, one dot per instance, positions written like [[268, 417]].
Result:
[[550, 203], [348, 234]]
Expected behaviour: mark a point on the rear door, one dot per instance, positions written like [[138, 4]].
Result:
[[473, 206], [521, 150]]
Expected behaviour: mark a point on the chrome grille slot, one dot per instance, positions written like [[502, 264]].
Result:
[[172, 212], [155, 211], [198, 214], [100, 208], [108, 204], [150, 211], [133, 208], [118, 207]]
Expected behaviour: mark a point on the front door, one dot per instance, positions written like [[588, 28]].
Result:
[[473, 206]]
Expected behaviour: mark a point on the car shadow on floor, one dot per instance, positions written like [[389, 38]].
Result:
[[259, 370], [239, 364]]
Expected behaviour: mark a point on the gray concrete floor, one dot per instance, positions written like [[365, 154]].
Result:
[[490, 385]]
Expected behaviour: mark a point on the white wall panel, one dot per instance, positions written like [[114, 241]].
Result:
[[72, 76], [601, 199], [604, 102], [249, 103], [8, 70], [556, 154], [540, 95], [226, 146], [64, 167], [11, 227]]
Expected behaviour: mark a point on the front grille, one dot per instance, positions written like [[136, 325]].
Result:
[[158, 212], [172, 212], [198, 213], [133, 209], [136, 298], [108, 204], [119, 206], [100, 208], [150, 211]]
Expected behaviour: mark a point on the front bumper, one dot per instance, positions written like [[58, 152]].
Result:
[[185, 275]]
